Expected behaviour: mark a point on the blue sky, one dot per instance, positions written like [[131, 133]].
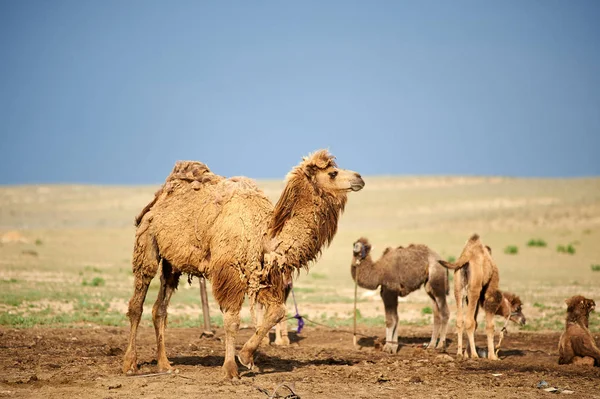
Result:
[[114, 92]]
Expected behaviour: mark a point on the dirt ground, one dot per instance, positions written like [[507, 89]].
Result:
[[320, 363]]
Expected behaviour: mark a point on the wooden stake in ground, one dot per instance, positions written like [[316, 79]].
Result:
[[355, 295], [205, 312]]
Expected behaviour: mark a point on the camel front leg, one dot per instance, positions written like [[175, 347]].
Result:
[[231, 322], [489, 329], [390, 303], [259, 311], [274, 313]]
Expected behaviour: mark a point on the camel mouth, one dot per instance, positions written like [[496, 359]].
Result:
[[520, 320], [357, 186]]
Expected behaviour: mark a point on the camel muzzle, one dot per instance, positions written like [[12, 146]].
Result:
[[357, 184]]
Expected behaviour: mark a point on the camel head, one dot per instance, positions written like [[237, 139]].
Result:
[[515, 306], [322, 171], [579, 305], [361, 250]]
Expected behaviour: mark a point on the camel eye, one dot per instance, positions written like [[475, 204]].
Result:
[[333, 174]]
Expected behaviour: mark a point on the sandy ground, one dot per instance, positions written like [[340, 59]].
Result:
[[86, 363]]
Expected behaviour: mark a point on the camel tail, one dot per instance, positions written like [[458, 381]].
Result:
[[138, 218], [451, 265]]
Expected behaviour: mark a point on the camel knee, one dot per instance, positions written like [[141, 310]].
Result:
[[278, 312], [134, 312], [469, 325]]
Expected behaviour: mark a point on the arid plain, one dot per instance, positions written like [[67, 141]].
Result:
[[65, 279]]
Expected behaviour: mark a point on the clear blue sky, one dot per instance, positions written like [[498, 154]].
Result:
[[117, 91]]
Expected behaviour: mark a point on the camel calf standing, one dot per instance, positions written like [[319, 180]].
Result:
[[399, 272]]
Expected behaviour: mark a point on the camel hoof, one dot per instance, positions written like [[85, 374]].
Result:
[[390, 348], [231, 370], [130, 364], [165, 366], [441, 346], [248, 363], [283, 341]]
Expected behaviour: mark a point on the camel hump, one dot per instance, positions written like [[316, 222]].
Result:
[[193, 172], [189, 171], [474, 237]]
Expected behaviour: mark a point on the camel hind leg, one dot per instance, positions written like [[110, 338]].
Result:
[[281, 331], [471, 318], [458, 296], [145, 266], [168, 284], [440, 316]]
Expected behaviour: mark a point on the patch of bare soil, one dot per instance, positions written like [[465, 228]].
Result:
[[86, 363]]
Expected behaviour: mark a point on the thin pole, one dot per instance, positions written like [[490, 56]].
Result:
[[355, 295], [205, 311]]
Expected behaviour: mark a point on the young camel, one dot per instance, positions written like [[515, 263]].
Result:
[[399, 272], [227, 231], [476, 281], [577, 342]]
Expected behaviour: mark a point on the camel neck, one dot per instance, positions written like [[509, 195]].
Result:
[[366, 274], [304, 220]]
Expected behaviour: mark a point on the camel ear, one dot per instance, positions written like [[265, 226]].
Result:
[[310, 170], [489, 249], [322, 163]]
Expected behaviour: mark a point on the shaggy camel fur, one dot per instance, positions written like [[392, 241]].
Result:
[[399, 272], [227, 231], [576, 341], [476, 281]]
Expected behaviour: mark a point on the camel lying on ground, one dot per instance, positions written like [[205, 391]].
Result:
[[399, 272], [577, 342], [228, 231], [476, 281]]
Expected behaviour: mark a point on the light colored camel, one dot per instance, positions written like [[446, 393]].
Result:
[[399, 272], [476, 281], [227, 231]]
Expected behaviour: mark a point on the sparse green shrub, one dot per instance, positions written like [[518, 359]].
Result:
[[451, 259], [96, 282], [426, 310], [539, 305], [596, 268], [567, 249], [536, 243], [38, 242], [318, 276], [511, 250]]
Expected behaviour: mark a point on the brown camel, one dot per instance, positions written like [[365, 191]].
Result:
[[476, 282], [227, 231], [399, 272], [577, 342]]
